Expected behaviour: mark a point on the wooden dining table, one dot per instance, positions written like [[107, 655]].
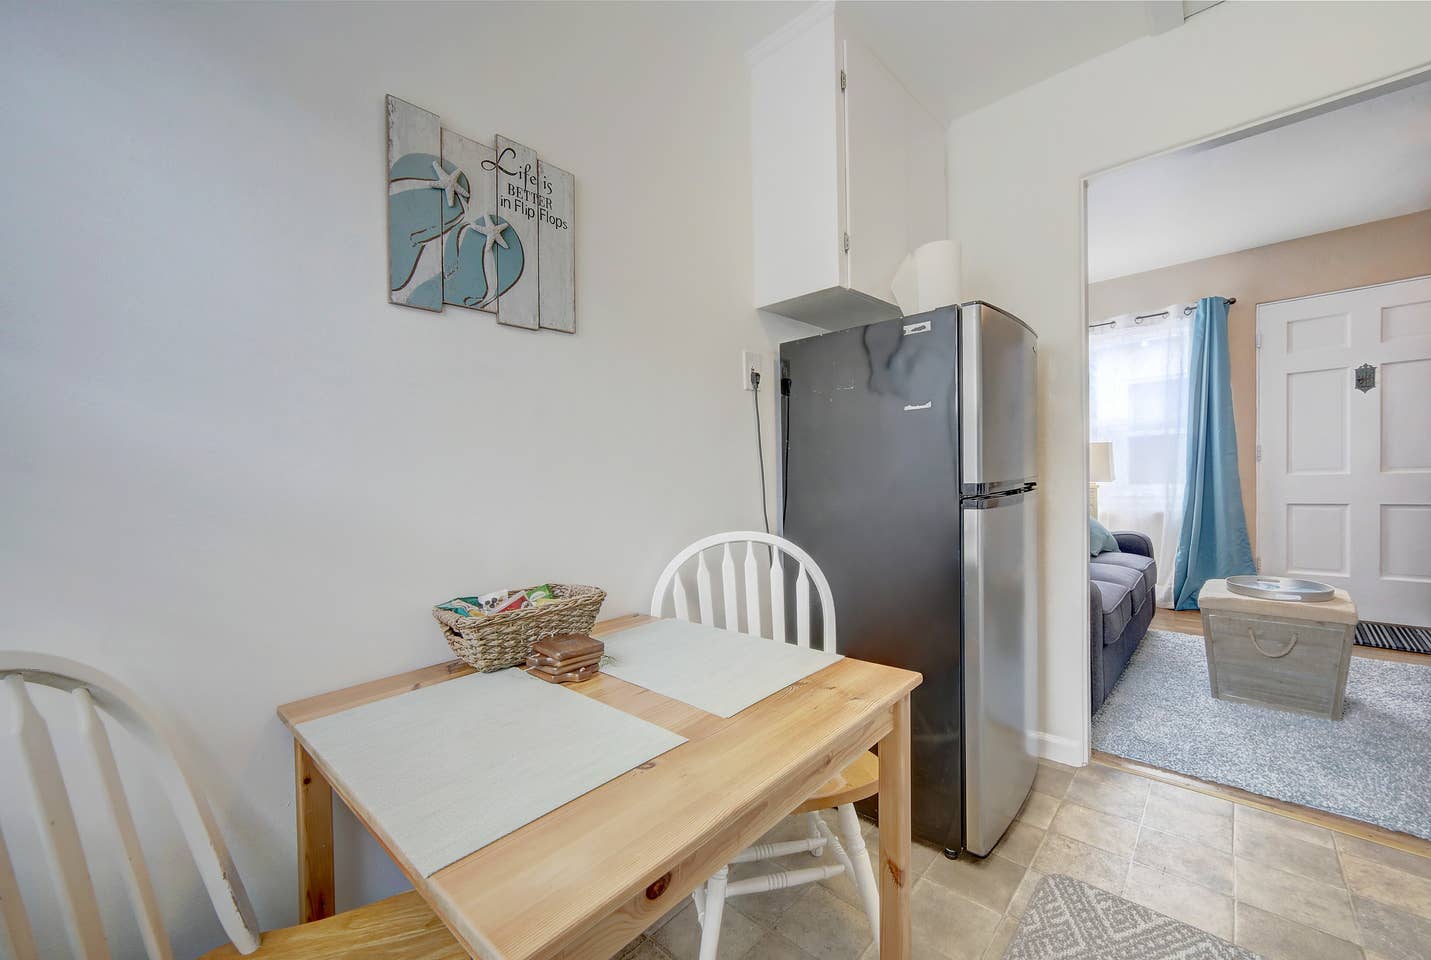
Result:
[[587, 878]]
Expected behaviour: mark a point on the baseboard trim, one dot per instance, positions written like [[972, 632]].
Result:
[[1064, 750]]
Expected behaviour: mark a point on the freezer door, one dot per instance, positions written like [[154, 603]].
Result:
[[999, 762], [998, 366]]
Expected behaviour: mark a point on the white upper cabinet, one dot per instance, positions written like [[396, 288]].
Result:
[[847, 175]]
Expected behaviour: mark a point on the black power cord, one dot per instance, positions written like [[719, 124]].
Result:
[[759, 446], [784, 441]]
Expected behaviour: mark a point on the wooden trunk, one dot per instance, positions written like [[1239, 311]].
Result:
[[1287, 655]]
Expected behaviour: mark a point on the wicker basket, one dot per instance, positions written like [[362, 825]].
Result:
[[501, 640]]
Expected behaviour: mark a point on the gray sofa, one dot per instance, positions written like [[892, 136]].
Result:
[[1121, 587]]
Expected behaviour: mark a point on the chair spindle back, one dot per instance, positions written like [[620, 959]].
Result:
[[91, 692], [782, 553]]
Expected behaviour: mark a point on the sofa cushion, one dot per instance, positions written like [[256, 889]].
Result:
[[1131, 580], [1133, 561], [1117, 608]]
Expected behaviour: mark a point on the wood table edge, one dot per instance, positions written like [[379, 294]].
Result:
[[361, 814], [300, 711], [587, 940], [682, 873]]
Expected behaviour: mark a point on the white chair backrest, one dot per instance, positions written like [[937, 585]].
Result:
[[782, 553], [54, 816]]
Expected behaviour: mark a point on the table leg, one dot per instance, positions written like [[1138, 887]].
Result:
[[894, 838], [314, 803]]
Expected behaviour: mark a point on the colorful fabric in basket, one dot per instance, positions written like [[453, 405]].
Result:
[[499, 601]]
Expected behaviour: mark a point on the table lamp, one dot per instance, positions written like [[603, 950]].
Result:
[[1100, 470]]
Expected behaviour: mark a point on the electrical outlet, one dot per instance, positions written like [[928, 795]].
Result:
[[751, 361]]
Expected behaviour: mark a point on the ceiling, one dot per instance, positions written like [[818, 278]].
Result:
[[956, 57], [1363, 162]]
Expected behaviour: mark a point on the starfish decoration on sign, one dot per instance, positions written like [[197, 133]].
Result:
[[468, 221], [492, 230], [447, 183]]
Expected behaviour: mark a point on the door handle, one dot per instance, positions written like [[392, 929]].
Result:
[[1366, 377], [921, 406]]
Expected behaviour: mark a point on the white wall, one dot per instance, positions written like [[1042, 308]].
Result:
[[232, 473], [1016, 204]]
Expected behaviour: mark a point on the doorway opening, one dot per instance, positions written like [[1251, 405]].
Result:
[[1259, 348]]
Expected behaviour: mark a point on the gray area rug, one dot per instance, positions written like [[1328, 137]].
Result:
[[1067, 919], [1372, 765]]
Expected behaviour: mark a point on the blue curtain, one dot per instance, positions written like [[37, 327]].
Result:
[[1213, 542]]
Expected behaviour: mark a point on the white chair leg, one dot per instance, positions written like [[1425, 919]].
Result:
[[780, 848], [838, 849], [812, 826], [862, 873], [715, 909], [699, 896], [782, 880]]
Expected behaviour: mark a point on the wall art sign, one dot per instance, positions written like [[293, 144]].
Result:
[[486, 228]]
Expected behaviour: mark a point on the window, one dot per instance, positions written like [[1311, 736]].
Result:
[[1138, 401]]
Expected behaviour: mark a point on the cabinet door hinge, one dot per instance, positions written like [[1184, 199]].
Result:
[[843, 81], [1259, 453], [1259, 340], [845, 243]]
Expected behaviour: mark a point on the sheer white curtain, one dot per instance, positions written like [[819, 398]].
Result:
[[1138, 401]]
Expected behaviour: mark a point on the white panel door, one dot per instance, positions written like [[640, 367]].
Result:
[[1344, 479]]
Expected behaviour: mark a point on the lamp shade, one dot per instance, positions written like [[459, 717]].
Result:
[[1100, 462]]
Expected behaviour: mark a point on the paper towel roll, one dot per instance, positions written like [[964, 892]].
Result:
[[928, 278]]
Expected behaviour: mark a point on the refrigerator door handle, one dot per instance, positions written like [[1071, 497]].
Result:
[[921, 406]]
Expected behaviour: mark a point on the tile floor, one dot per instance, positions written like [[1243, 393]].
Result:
[[1279, 887]]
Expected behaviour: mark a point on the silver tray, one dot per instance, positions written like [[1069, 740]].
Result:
[[1280, 588]]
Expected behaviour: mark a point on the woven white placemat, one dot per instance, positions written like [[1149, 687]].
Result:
[[447, 769], [720, 671]]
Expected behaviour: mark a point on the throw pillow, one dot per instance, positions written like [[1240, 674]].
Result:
[[1100, 540]]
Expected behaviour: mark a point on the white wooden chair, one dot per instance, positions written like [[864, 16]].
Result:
[[392, 928], [856, 782]]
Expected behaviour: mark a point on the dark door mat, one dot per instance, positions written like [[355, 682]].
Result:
[[1391, 636]]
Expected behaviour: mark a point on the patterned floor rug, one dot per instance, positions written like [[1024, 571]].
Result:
[[1370, 765], [1067, 919]]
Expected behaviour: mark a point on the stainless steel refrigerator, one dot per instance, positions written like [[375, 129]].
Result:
[[908, 473]]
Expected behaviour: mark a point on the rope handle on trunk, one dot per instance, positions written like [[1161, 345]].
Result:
[[1251, 635]]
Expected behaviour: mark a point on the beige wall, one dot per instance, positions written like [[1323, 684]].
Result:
[[1376, 252], [234, 475]]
